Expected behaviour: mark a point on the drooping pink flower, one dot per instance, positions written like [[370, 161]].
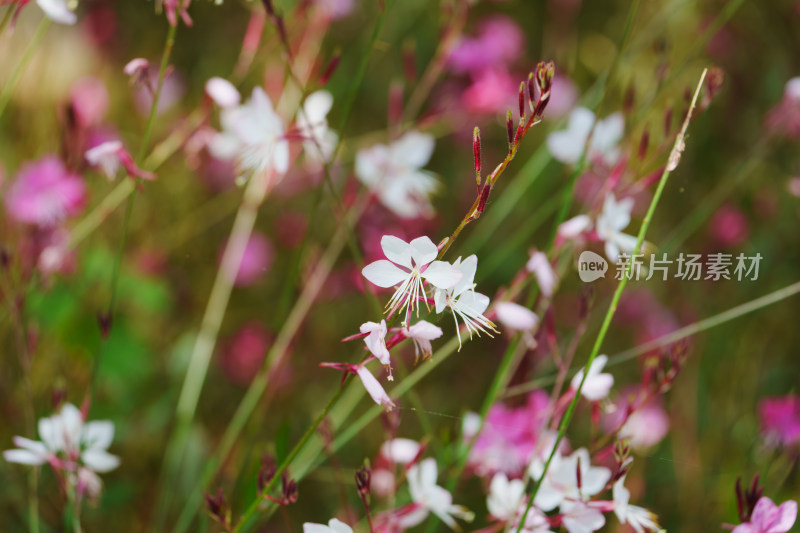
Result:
[[770, 518], [256, 261], [729, 227], [780, 419], [491, 91], [45, 193], [500, 41], [242, 355]]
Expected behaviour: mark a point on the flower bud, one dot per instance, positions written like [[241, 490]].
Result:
[[476, 150]]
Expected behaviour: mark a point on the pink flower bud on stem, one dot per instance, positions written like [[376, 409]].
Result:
[[476, 150], [510, 130], [522, 89], [331, 68], [644, 143]]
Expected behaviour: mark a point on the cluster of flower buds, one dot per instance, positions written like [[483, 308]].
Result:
[[219, 510], [747, 498], [662, 371]]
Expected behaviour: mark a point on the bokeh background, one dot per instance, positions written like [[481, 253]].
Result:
[[735, 191]]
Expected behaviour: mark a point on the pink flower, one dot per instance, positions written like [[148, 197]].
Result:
[[784, 118], [546, 277], [45, 193], [89, 99], [422, 333], [243, 354], [374, 388], [729, 226], [645, 425], [770, 518], [780, 419], [491, 91], [499, 42], [256, 261], [509, 436]]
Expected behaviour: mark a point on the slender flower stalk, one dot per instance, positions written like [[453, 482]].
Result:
[[674, 159]]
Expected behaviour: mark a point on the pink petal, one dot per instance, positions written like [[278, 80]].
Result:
[[786, 516], [374, 388]]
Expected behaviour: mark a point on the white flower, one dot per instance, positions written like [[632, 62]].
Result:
[[408, 265], [506, 502], [57, 11], [567, 145], [432, 498], [422, 333], [516, 317], [579, 517], [638, 518], [376, 340], [394, 174], [614, 218], [597, 385], [319, 142], [546, 277], [574, 227], [66, 439], [334, 526], [400, 451], [253, 135], [106, 157], [374, 388], [560, 484], [222, 92], [464, 301]]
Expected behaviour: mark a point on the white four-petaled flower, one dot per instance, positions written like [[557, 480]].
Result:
[[597, 384], [407, 266], [393, 173], [568, 145], [561, 483], [319, 142], [429, 497], [610, 222], [464, 302]]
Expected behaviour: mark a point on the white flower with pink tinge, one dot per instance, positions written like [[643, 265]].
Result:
[[374, 388], [408, 265], [639, 518], [770, 518], [506, 502], [561, 483], [394, 174], [428, 497], [334, 526], [581, 517], [597, 384], [422, 333], [70, 444], [376, 340], [464, 302], [615, 217]]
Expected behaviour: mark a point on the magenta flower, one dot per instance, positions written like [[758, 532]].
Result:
[[256, 261], [45, 193], [780, 419], [770, 518], [499, 42]]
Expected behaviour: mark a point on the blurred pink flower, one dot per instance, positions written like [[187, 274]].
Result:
[[780, 419], [336, 9], [770, 518], [509, 436], [499, 42], [256, 261], [242, 354], [171, 92], [491, 91], [729, 226], [563, 97], [644, 424], [45, 193], [89, 99], [784, 118]]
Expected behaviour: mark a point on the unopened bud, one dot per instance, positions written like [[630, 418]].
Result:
[[522, 90], [476, 151], [289, 493], [363, 478], [266, 473], [643, 144], [510, 129], [531, 91], [331, 68]]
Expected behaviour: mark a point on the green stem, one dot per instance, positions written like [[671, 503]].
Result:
[[674, 158], [27, 55]]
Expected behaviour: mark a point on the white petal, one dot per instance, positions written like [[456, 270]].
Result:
[[57, 11], [370, 164], [396, 250], [423, 251], [99, 460], [608, 132], [440, 300], [222, 92], [339, 527], [317, 105], [413, 150], [384, 273], [612, 251], [424, 330], [50, 432], [24, 457], [280, 157], [374, 388], [308, 527], [597, 387], [71, 424], [515, 316], [543, 270], [468, 267], [98, 434], [442, 274], [574, 226], [474, 303], [401, 451]]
